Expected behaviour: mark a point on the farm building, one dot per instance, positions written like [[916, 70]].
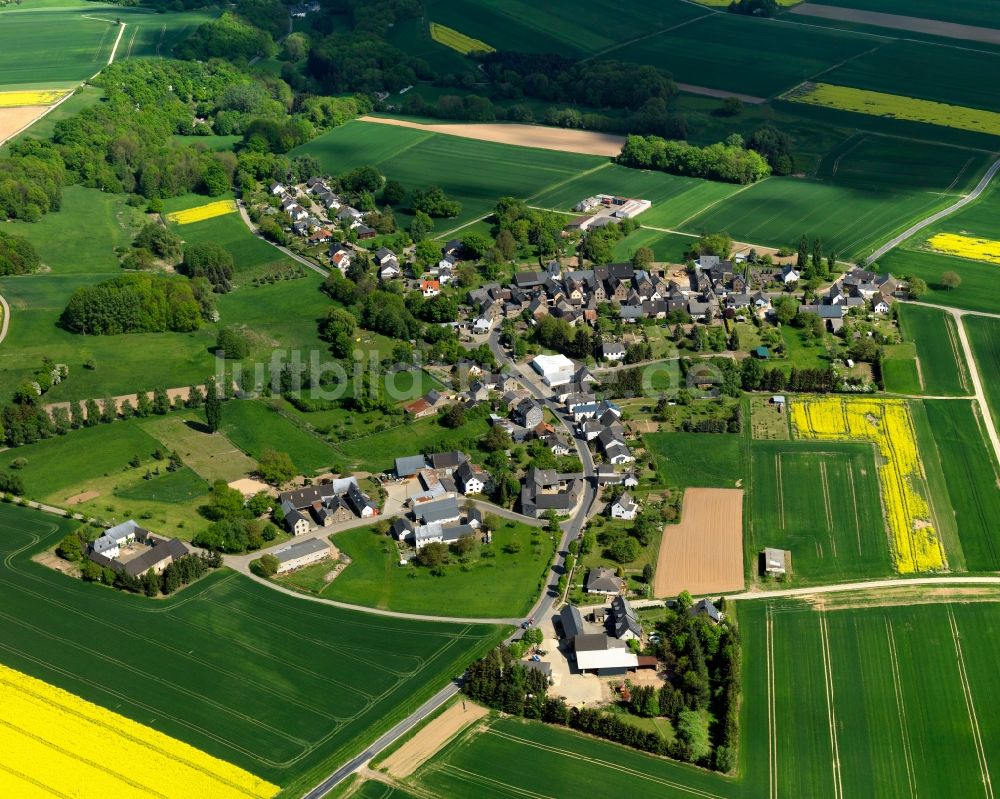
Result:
[[301, 553], [555, 370], [774, 562]]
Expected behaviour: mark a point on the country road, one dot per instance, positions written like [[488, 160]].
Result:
[[865, 585], [914, 229], [294, 256], [5, 321]]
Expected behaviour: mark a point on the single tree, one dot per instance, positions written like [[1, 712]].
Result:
[[213, 407], [951, 280]]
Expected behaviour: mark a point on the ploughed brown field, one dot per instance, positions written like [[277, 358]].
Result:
[[704, 553]]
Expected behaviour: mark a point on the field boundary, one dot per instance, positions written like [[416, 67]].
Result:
[[970, 706], [897, 685], [838, 788]]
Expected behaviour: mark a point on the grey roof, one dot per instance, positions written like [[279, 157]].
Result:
[[408, 466], [624, 617], [174, 549], [104, 544], [447, 460], [538, 665], [358, 499], [601, 580], [595, 642], [123, 530], [572, 621], [441, 510], [708, 608], [297, 550]]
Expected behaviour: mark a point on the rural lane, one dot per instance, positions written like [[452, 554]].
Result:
[[866, 585], [914, 229], [294, 256], [5, 322]]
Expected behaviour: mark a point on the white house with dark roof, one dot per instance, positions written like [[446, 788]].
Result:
[[624, 507], [301, 553], [470, 479]]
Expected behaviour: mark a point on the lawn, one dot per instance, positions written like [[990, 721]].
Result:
[[703, 460], [666, 247], [505, 584], [916, 680], [984, 337], [675, 198], [849, 215], [821, 502], [255, 426], [942, 364], [970, 479], [475, 173], [377, 452], [513, 757], [210, 455], [182, 485], [283, 688]]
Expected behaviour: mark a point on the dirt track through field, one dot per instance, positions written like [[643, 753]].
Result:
[[422, 746], [949, 30], [704, 553], [562, 139]]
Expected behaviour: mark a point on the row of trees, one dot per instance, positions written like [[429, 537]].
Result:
[[728, 161]]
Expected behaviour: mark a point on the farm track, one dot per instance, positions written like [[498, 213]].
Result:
[[5, 321], [866, 585]]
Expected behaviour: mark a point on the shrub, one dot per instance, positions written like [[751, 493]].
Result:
[[265, 566]]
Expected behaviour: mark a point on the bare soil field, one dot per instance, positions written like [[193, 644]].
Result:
[[749, 99], [562, 139], [86, 496], [704, 553], [950, 30], [422, 746], [14, 120]]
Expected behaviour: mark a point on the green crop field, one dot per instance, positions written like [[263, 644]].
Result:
[[512, 757], [969, 467], [900, 372], [704, 460], [377, 452], [964, 12], [942, 364], [524, 26], [821, 687], [947, 74], [820, 501], [976, 293], [984, 336], [254, 427], [284, 688], [504, 584], [475, 173], [675, 199], [742, 54]]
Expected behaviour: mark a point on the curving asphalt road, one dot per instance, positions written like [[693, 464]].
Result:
[[914, 229]]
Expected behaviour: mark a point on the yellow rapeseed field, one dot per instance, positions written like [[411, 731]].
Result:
[[30, 97], [457, 40], [888, 425], [966, 247], [202, 212], [847, 98], [56, 744]]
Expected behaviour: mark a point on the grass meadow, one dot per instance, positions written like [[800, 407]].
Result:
[[942, 363], [703, 460], [375, 578], [821, 502], [820, 687], [475, 173], [283, 688], [900, 372], [977, 291]]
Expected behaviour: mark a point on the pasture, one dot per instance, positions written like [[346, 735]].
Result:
[[212, 456], [968, 477], [504, 584], [554, 761], [984, 337], [255, 427], [699, 460], [283, 688], [476, 173], [821, 686], [675, 199], [821, 502], [942, 369]]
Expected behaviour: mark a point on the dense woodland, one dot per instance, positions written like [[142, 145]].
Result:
[[17, 255], [730, 161]]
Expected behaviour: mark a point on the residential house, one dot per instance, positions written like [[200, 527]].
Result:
[[470, 479], [612, 351], [301, 553], [340, 258], [603, 581], [624, 621], [430, 288], [705, 607], [543, 490], [789, 274], [364, 232], [528, 413], [624, 508]]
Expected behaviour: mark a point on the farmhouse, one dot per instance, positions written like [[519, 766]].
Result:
[[606, 656], [544, 490], [470, 478], [301, 553], [133, 550], [624, 622], [310, 508]]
